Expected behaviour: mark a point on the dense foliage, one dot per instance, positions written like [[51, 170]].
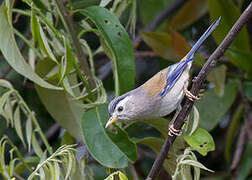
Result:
[[61, 62]]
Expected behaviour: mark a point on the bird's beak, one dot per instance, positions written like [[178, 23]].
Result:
[[111, 121]]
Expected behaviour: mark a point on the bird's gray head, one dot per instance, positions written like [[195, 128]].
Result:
[[122, 108], [131, 106]]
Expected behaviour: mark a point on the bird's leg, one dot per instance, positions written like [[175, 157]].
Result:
[[172, 130], [189, 95]]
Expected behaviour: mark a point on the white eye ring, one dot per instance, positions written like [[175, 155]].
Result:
[[120, 109]]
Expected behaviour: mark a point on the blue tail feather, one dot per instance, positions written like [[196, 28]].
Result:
[[174, 71], [202, 38]]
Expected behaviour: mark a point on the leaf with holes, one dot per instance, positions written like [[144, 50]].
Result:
[[119, 45], [201, 141]]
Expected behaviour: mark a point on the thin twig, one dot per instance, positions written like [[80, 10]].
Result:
[[247, 115], [5, 72], [148, 54], [159, 18], [133, 171], [210, 64], [239, 150]]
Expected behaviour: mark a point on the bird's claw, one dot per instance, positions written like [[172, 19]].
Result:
[[189, 95], [194, 79], [173, 131]]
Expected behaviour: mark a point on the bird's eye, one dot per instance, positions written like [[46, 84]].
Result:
[[120, 108]]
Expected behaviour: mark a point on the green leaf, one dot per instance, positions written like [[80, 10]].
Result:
[[155, 144], [115, 175], [245, 165], [67, 139], [34, 26], [84, 4], [148, 9], [201, 141], [218, 77], [104, 3], [30, 161], [152, 142], [35, 145], [118, 41], [65, 110], [161, 43], [195, 164], [241, 58], [171, 46], [247, 88], [40, 4], [122, 176], [191, 11], [3, 100], [213, 107], [28, 130], [229, 14], [99, 143], [161, 124], [193, 123], [67, 62], [43, 43], [232, 131], [129, 148], [12, 54], [6, 84], [17, 124]]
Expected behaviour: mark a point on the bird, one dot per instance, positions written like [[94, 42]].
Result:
[[160, 95]]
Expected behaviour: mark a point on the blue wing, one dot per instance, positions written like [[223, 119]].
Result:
[[173, 73], [175, 70]]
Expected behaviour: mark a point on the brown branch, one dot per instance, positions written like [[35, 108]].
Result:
[[239, 150], [159, 18], [5, 72], [211, 62], [77, 46], [148, 54]]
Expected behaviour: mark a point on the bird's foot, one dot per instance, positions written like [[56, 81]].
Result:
[[194, 79], [189, 95], [173, 131]]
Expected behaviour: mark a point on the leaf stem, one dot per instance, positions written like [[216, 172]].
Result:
[[18, 153]]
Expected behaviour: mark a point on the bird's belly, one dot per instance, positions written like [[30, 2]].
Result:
[[173, 98]]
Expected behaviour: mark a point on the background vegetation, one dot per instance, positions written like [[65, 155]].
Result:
[[61, 62]]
